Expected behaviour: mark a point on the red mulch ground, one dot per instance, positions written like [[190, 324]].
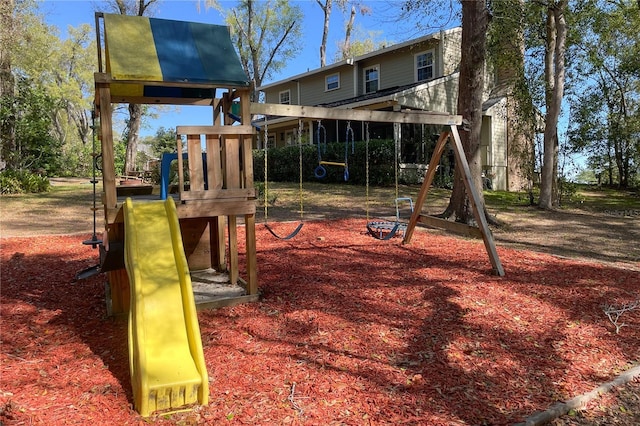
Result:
[[350, 330]]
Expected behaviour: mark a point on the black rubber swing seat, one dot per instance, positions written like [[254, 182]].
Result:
[[385, 230], [288, 237]]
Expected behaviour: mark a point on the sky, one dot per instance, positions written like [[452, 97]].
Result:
[[379, 24]]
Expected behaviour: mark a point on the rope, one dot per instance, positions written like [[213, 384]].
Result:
[[366, 149], [396, 154], [94, 241], [377, 229], [266, 185], [346, 150], [266, 172], [320, 172], [300, 129]]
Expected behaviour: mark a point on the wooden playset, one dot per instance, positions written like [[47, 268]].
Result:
[[181, 63], [157, 253]]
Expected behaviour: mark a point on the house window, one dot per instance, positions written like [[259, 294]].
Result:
[[332, 82], [424, 66], [285, 97], [371, 79]]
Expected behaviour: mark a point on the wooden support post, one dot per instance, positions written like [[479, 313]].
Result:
[[216, 224], [474, 198], [233, 249], [231, 166], [426, 184], [110, 198], [196, 168], [249, 219], [476, 204]]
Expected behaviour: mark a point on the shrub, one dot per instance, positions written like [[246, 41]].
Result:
[[20, 181], [284, 163]]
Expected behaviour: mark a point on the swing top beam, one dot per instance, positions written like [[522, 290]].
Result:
[[319, 113]]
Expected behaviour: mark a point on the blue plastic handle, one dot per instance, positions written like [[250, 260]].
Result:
[[320, 172]]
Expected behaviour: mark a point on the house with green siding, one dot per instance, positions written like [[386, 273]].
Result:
[[420, 74]]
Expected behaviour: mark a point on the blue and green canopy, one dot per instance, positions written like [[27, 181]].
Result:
[[165, 58]]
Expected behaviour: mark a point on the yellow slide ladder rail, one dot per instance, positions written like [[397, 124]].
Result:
[[166, 359]]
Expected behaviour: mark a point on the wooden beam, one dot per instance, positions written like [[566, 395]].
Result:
[[483, 230], [355, 114], [227, 302], [107, 78], [426, 185], [213, 208], [448, 225], [144, 100], [219, 194], [215, 130], [250, 251], [110, 196], [476, 203]]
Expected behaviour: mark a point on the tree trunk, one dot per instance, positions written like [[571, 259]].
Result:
[[554, 76], [346, 48], [475, 22], [326, 8], [133, 134]]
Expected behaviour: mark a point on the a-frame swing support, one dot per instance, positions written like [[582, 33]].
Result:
[[412, 117], [474, 198]]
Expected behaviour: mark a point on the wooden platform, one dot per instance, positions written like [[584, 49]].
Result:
[[133, 190], [213, 289]]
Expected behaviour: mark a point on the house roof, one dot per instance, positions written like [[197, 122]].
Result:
[[350, 61], [371, 96], [160, 57]]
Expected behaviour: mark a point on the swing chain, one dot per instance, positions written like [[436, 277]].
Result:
[[321, 139], [349, 136], [300, 131], [366, 150], [347, 140], [320, 172], [266, 170]]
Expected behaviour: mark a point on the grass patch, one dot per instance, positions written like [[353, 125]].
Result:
[[607, 199]]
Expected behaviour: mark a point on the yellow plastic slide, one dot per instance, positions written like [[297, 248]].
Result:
[[166, 359]]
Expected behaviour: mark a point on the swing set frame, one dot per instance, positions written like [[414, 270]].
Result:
[[450, 134]]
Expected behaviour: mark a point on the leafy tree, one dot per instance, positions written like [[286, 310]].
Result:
[[348, 48], [506, 55], [7, 82], [72, 67], [475, 24], [607, 124], [163, 141], [22, 33], [554, 71], [73, 83], [61, 70], [266, 34], [37, 68], [31, 109]]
